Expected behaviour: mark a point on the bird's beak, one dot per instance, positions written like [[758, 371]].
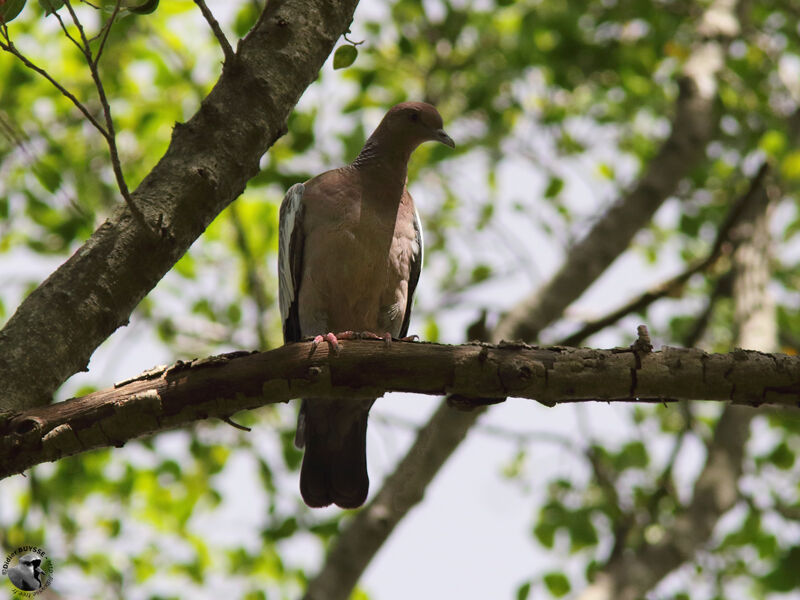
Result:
[[441, 136]]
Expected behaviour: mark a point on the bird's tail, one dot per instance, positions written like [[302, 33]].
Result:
[[334, 433]]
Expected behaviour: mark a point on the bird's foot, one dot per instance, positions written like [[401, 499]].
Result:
[[330, 339]]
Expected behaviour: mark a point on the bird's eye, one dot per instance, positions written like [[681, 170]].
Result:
[[414, 116]]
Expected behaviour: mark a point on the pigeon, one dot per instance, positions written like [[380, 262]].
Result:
[[349, 259]]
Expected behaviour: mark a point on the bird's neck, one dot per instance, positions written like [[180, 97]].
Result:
[[386, 162]]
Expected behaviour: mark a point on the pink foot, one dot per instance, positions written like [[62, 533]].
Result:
[[330, 339], [333, 339]]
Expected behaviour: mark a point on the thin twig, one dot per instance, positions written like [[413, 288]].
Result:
[[664, 486], [721, 289], [111, 136], [9, 47], [232, 423], [108, 131], [105, 31], [63, 26], [503, 433], [349, 41], [671, 286], [227, 50], [87, 50]]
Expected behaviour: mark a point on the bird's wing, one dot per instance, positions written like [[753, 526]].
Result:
[[290, 260], [416, 267]]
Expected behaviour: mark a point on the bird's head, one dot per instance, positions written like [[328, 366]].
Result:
[[32, 562], [413, 123]]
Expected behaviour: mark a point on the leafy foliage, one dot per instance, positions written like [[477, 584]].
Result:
[[556, 107]]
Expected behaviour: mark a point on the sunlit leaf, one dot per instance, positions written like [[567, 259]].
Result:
[[51, 6], [557, 584], [344, 56], [10, 9], [524, 591]]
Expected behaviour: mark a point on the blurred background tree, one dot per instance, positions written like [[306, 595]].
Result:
[[580, 125]]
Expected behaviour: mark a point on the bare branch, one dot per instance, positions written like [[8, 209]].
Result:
[[106, 29], [8, 46], [230, 55], [502, 433], [220, 386], [111, 136], [53, 12]]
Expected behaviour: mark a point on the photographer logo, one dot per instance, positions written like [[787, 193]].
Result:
[[29, 571]]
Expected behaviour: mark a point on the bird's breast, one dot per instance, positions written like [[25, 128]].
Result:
[[355, 276]]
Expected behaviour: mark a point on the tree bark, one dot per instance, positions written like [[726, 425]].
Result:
[[56, 329], [476, 374]]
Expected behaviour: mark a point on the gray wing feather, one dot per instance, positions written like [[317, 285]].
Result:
[[290, 260], [416, 269]]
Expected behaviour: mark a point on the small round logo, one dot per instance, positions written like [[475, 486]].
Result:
[[29, 570]]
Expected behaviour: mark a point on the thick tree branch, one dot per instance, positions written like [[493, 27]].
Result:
[[209, 160], [220, 386]]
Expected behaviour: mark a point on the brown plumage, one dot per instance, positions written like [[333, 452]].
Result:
[[350, 258]]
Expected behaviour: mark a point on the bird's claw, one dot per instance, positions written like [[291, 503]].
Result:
[[330, 339], [335, 348]]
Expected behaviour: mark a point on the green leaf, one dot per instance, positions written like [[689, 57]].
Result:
[[773, 142], [607, 171], [10, 9], [50, 6], [524, 591], [554, 187], [790, 167], [782, 456], [291, 455], [581, 530], [481, 273], [633, 455], [786, 576], [48, 176], [545, 533], [557, 584], [283, 530], [431, 330], [344, 56], [144, 8]]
